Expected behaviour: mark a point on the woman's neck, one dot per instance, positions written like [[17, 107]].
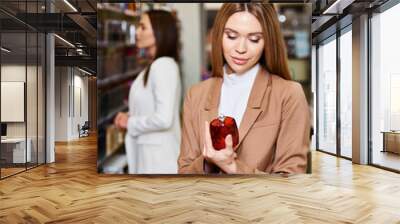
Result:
[[152, 51]]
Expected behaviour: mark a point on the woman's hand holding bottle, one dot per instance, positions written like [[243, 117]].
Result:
[[224, 158]]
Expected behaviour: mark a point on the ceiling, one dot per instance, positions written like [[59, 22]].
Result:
[[78, 24], [330, 15], [73, 20]]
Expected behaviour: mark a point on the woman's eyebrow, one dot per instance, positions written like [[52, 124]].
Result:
[[231, 30], [250, 34], [255, 33]]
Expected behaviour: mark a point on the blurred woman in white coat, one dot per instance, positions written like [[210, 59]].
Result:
[[153, 124]]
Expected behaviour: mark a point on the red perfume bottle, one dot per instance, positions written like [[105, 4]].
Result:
[[222, 127]]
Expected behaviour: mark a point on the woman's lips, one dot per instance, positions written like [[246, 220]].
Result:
[[239, 61]]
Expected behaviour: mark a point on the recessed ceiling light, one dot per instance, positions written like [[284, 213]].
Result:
[[70, 5], [5, 50], [84, 71], [337, 7], [64, 40]]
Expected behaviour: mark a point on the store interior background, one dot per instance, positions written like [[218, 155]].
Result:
[[355, 78], [48, 82]]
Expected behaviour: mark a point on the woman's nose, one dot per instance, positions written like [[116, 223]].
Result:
[[241, 48]]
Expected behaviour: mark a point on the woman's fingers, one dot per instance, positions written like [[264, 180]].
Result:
[[230, 154], [209, 151], [205, 148], [207, 135], [228, 142], [116, 120], [225, 156], [124, 120]]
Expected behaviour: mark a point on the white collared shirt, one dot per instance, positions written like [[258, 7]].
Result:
[[235, 92]]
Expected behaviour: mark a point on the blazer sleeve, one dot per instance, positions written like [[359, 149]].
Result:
[[190, 158], [164, 81], [293, 139]]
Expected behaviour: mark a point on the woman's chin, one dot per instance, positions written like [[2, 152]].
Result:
[[238, 69]]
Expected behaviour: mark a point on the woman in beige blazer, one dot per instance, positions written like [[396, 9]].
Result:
[[270, 109]]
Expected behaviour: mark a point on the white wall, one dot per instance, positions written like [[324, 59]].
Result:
[[50, 95], [33, 126], [191, 39], [12, 73], [61, 103], [80, 98], [82, 83], [70, 83]]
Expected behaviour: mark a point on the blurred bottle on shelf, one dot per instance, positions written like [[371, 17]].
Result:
[[114, 139]]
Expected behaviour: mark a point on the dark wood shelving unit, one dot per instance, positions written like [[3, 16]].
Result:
[[118, 67], [117, 79]]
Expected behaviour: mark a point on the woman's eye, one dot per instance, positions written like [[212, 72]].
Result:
[[255, 40], [230, 36]]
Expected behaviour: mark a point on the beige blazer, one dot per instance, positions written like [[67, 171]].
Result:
[[273, 135]]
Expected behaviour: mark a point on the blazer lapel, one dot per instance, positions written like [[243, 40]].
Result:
[[253, 109], [210, 110], [212, 102]]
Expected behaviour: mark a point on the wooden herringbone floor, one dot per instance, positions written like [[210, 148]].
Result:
[[70, 191]]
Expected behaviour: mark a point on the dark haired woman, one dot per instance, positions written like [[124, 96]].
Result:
[[153, 127], [251, 83]]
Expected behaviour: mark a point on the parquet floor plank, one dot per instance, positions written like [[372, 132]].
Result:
[[70, 191]]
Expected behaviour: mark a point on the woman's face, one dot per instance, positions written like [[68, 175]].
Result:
[[242, 41], [144, 34]]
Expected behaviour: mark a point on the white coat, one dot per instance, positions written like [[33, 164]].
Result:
[[153, 134]]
